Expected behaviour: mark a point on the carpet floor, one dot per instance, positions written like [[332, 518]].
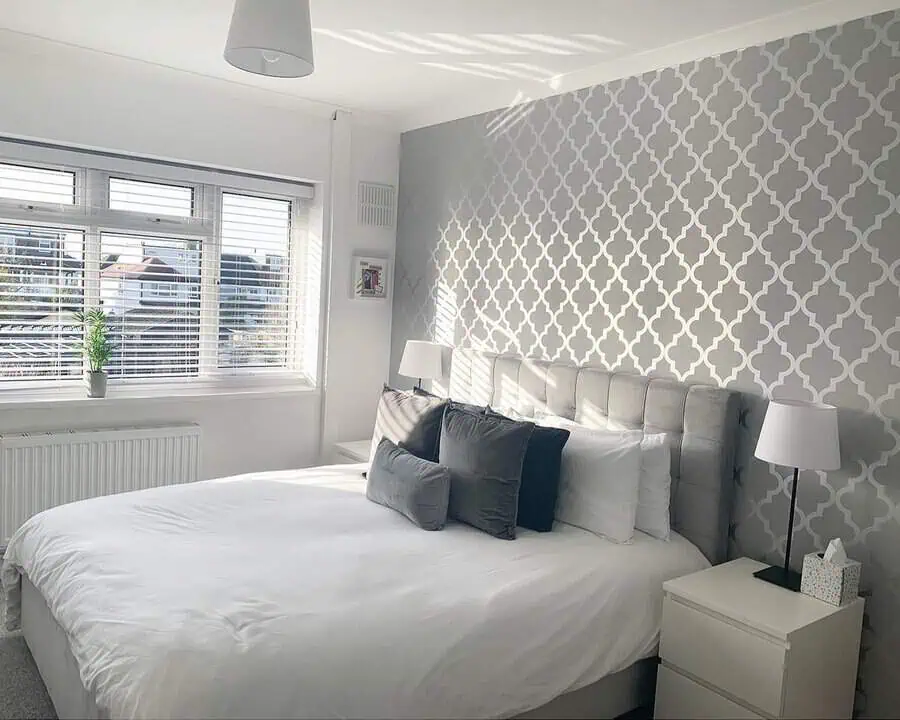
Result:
[[22, 692]]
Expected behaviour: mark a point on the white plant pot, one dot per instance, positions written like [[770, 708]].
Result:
[[96, 384]]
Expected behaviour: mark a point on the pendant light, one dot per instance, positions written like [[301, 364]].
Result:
[[271, 37]]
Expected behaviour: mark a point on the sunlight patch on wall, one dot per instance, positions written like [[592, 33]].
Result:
[[440, 43], [446, 312]]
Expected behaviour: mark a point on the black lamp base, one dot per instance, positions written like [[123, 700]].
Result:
[[789, 580]]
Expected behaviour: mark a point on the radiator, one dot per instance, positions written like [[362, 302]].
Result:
[[39, 470]]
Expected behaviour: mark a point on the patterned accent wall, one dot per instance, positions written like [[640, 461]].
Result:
[[731, 221]]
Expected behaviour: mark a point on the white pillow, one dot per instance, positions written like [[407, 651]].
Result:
[[654, 489], [598, 481]]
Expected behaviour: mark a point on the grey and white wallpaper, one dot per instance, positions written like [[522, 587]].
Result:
[[731, 221]]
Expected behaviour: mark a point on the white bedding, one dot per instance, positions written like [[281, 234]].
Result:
[[289, 594]]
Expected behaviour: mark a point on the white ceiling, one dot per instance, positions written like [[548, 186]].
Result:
[[425, 61]]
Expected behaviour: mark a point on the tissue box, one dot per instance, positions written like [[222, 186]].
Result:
[[835, 584]]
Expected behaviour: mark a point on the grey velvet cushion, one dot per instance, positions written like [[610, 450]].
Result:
[[416, 488], [485, 454], [410, 421]]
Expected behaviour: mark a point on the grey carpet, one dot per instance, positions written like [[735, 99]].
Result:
[[22, 692]]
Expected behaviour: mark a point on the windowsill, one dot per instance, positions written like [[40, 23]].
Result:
[[75, 394]]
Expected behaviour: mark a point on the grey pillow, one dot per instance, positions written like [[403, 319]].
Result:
[[410, 421], [416, 488], [484, 454]]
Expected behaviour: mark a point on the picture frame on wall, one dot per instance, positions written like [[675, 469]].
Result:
[[370, 277]]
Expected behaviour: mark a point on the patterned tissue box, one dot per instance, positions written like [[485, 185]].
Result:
[[835, 584]]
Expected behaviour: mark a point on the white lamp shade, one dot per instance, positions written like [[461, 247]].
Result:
[[271, 37], [422, 359], [800, 435]]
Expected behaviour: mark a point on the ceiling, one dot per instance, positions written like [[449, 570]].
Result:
[[419, 62]]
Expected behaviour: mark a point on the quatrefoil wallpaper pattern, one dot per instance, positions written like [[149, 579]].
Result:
[[731, 221]]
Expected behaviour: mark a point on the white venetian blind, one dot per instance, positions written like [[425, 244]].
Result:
[[32, 184], [41, 286], [149, 197], [150, 289], [255, 298]]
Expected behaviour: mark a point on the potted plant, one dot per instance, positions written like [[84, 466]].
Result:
[[97, 349]]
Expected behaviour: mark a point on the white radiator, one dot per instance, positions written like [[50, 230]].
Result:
[[39, 470]]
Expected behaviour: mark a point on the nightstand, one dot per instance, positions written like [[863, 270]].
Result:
[[733, 646], [354, 451]]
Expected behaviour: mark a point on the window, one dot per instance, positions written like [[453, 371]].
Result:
[[151, 294], [148, 197], [39, 291], [254, 283], [32, 184], [203, 275]]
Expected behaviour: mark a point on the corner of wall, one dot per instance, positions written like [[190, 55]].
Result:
[[358, 332]]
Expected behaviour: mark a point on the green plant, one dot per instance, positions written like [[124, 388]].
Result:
[[97, 346]]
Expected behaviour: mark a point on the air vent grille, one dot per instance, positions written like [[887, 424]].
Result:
[[376, 204]]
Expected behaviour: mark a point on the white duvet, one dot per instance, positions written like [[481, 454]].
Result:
[[289, 594]]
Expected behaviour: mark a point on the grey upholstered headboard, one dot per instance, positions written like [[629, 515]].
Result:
[[701, 422]]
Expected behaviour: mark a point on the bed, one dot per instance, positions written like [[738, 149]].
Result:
[[290, 595]]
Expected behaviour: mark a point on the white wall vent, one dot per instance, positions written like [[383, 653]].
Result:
[[376, 204]]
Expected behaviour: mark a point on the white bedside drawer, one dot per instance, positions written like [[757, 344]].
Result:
[[680, 697], [741, 663]]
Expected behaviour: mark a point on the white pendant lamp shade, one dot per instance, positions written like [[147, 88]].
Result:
[[421, 360], [271, 37], [800, 435]]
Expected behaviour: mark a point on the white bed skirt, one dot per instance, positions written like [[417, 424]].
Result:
[[50, 650], [610, 697]]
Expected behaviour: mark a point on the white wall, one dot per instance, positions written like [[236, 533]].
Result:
[[240, 433], [79, 97], [358, 350], [68, 95]]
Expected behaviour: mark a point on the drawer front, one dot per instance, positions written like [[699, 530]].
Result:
[[680, 697], [725, 656]]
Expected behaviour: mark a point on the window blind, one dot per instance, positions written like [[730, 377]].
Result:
[[255, 297], [41, 286], [198, 281], [149, 197], [32, 184], [150, 289]]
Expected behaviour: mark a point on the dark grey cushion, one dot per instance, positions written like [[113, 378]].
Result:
[[416, 488], [540, 477], [411, 421], [484, 454]]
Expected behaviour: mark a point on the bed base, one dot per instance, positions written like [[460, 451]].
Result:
[[610, 697], [50, 649]]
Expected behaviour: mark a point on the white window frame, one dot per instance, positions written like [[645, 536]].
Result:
[[91, 214]]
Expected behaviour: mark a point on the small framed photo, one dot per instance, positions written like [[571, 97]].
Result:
[[370, 277]]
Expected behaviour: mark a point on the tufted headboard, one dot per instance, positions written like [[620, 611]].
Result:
[[701, 422]]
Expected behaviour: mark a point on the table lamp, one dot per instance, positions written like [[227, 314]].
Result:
[[422, 360], [803, 436]]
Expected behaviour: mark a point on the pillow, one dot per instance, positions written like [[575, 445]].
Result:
[[599, 480], [540, 477], [484, 454], [654, 487], [466, 406], [410, 421], [416, 488]]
